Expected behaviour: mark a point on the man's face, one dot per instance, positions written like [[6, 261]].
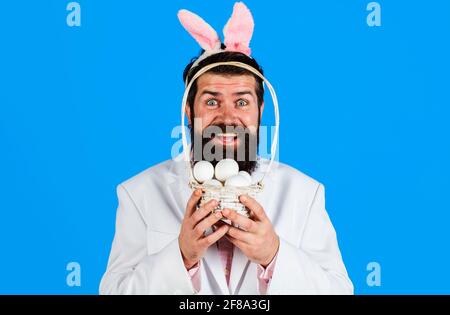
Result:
[[225, 105]]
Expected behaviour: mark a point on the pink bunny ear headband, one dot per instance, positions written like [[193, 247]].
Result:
[[237, 35], [237, 32]]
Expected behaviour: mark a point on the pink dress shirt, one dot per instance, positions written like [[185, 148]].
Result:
[[225, 248]]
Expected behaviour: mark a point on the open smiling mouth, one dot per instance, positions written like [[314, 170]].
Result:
[[226, 138]]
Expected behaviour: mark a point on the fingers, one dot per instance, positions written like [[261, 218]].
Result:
[[203, 211], [192, 202], [218, 224], [238, 243], [240, 235], [243, 222], [206, 223], [214, 237], [256, 209]]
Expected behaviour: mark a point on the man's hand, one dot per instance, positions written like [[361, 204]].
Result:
[[258, 241], [192, 241]]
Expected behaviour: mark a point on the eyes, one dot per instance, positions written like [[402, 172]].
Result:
[[214, 102], [241, 102]]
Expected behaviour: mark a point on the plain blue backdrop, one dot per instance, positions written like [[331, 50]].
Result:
[[364, 110]]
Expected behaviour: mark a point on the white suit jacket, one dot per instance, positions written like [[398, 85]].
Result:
[[145, 256]]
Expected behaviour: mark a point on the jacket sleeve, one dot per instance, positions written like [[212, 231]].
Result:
[[314, 266], [131, 270]]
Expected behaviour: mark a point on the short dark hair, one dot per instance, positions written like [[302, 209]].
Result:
[[189, 73]]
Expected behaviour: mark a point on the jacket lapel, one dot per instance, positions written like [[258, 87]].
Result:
[[241, 262], [238, 267], [178, 189], [213, 262]]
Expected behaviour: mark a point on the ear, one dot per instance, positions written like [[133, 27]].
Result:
[[187, 109], [202, 32], [261, 111], [239, 29]]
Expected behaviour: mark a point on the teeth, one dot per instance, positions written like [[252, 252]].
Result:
[[227, 135]]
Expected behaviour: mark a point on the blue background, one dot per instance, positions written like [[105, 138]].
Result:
[[364, 110]]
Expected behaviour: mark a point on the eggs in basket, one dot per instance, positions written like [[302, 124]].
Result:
[[224, 183]]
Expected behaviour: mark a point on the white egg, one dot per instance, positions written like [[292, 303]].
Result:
[[212, 182], [225, 169], [203, 171], [246, 175], [237, 181]]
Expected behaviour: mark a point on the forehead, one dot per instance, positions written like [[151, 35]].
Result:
[[225, 82]]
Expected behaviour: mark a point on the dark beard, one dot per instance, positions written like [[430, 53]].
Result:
[[247, 163]]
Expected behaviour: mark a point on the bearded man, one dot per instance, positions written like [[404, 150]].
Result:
[[166, 243]]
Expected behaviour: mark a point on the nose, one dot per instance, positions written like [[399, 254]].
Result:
[[228, 114]]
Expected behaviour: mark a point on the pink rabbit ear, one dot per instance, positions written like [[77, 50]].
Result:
[[239, 29], [203, 33]]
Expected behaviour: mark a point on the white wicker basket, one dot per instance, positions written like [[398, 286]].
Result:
[[228, 197]]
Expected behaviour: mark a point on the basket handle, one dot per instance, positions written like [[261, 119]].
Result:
[[183, 111]]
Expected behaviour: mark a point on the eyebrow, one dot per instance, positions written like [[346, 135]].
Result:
[[218, 93]]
